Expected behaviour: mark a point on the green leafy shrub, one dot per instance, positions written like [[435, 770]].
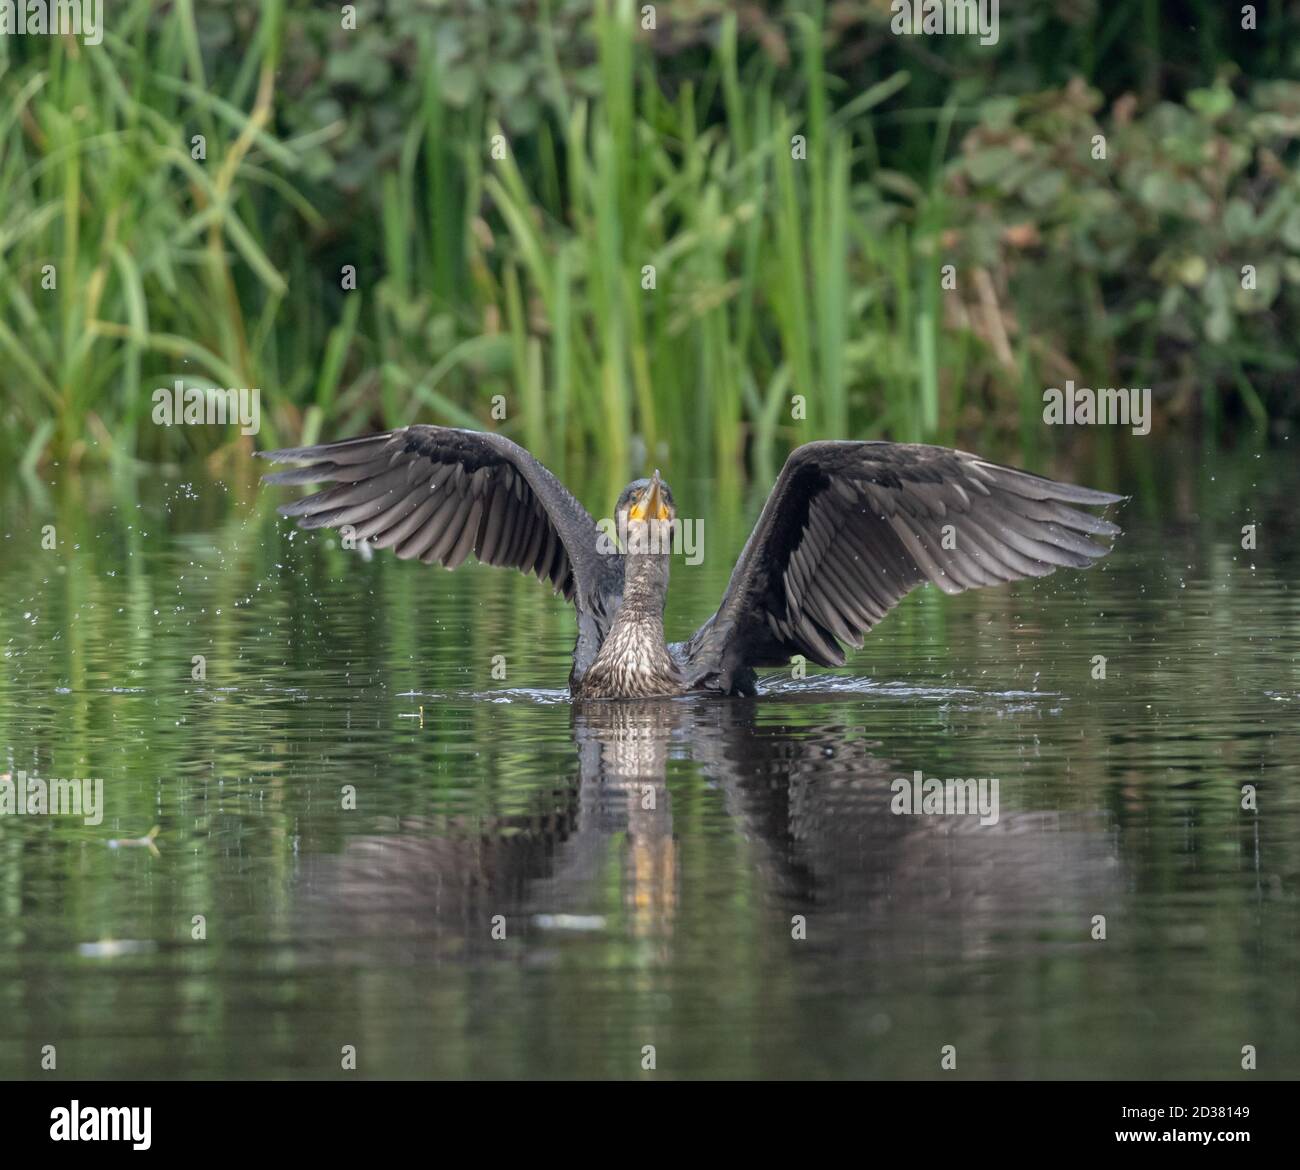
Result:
[[1175, 257]]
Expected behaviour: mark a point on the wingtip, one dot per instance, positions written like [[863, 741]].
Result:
[[1044, 487], [1088, 497], [354, 450], [284, 454]]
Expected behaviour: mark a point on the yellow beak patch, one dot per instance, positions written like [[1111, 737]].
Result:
[[650, 505]]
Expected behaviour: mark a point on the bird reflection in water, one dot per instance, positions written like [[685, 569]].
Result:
[[623, 752], [812, 802]]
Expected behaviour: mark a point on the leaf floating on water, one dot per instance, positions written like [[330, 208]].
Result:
[[115, 948], [145, 842], [569, 921]]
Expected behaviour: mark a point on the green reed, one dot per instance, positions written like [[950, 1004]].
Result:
[[707, 271]]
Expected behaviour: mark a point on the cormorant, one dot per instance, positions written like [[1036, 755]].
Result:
[[847, 531]]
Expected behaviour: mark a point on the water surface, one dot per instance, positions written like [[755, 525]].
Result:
[[489, 805]]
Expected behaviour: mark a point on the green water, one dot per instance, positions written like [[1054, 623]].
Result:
[[482, 800]]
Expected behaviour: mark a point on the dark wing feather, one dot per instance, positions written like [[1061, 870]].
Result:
[[442, 494], [851, 528]]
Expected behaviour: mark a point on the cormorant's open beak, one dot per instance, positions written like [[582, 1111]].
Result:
[[650, 506]]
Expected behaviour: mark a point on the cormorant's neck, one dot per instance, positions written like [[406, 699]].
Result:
[[634, 659], [645, 587]]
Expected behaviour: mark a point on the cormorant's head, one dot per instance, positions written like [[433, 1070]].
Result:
[[646, 512]]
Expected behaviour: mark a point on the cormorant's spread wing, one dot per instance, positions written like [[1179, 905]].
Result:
[[440, 493], [851, 528]]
